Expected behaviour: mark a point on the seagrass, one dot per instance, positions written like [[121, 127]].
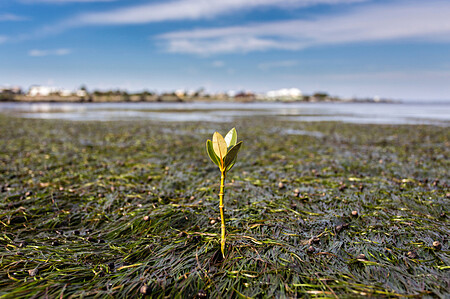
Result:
[[102, 209]]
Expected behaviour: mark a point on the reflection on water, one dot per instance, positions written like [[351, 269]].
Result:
[[379, 113]]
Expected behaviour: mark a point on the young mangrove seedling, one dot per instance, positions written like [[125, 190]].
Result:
[[223, 152]]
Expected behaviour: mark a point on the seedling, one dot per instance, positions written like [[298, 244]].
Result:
[[223, 152]]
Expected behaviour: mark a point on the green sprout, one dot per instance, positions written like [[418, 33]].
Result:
[[223, 152]]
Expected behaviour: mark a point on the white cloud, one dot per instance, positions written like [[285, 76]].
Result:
[[63, 1], [11, 17], [265, 66], [225, 45], [172, 10], [218, 63], [56, 52], [3, 38], [400, 21], [189, 10]]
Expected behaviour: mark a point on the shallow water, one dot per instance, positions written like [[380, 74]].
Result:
[[367, 113]]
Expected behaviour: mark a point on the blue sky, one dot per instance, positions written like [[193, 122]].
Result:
[[389, 48]]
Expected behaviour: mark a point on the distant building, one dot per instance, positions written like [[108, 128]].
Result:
[[245, 96], [81, 93], [37, 90], [231, 93], [180, 93], [285, 94], [65, 92], [44, 91]]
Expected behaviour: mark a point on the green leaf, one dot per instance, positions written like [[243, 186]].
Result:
[[232, 155], [211, 154], [232, 164], [231, 138], [219, 146]]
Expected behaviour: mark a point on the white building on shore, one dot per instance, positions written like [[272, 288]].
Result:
[[38, 90], [285, 94]]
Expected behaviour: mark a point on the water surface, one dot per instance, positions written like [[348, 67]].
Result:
[[364, 113]]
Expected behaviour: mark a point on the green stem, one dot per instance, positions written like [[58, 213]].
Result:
[[222, 218]]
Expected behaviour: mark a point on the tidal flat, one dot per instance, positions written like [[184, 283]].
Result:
[[313, 209]]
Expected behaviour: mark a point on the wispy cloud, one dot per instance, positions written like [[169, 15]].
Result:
[[163, 11], [190, 10], [63, 1], [3, 38], [405, 20], [265, 66], [55, 52], [218, 63], [11, 17]]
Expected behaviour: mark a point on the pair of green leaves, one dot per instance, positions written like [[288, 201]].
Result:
[[223, 151]]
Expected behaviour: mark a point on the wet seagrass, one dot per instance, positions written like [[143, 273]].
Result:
[[98, 209]]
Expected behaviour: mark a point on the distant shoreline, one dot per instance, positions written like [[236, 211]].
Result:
[[174, 99]]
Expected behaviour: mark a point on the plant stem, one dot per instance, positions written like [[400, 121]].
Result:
[[222, 218]]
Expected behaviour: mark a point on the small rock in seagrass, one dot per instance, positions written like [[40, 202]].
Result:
[[361, 257], [314, 241], [280, 185], [341, 227], [413, 255], [310, 250], [146, 218], [437, 245], [33, 272], [145, 289], [355, 213]]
